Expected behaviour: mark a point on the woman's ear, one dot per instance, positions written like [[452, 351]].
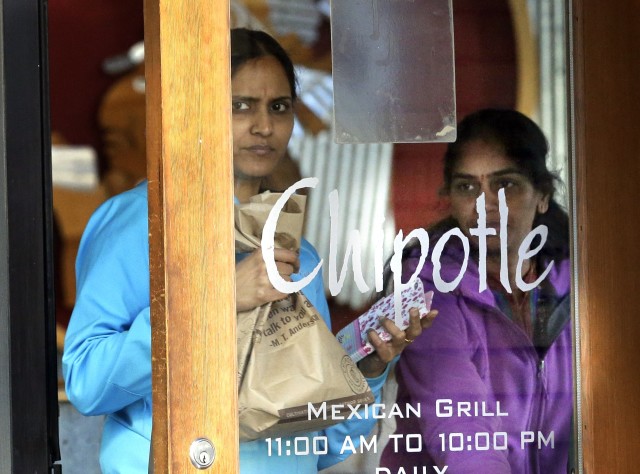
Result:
[[543, 204]]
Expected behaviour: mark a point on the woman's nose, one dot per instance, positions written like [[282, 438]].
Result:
[[262, 124], [491, 197]]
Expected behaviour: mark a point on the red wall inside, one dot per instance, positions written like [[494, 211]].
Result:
[[81, 36]]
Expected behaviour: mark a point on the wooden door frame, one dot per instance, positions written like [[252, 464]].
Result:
[[192, 256], [606, 107]]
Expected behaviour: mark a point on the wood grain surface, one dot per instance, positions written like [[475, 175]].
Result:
[[191, 232], [607, 107]]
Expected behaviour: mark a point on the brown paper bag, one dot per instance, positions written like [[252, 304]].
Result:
[[287, 356]]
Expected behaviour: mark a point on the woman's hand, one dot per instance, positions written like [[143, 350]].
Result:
[[253, 287], [374, 364]]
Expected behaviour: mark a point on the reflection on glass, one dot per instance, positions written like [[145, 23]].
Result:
[[384, 52]]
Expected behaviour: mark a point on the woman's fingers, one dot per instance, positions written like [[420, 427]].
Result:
[[427, 321], [287, 263], [285, 270], [253, 286], [388, 350], [287, 257], [385, 352], [415, 327], [399, 338], [397, 334]]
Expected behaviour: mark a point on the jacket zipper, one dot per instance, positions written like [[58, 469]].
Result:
[[540, 389], [542, 395]]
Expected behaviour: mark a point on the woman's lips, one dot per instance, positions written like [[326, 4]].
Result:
[[260, 149], [492, 224]]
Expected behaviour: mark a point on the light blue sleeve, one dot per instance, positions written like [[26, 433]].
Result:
[[353, 428], [107, 354]]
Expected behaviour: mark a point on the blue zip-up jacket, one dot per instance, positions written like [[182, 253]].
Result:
[[107, 354]]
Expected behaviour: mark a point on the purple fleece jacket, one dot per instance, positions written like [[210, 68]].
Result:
[[474, 353]]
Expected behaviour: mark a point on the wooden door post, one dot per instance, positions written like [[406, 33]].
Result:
[[606, 46], [191, 232]]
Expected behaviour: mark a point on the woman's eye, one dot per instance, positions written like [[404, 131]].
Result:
[[280, 107], [239, 105], [506, 183], [465, 188]]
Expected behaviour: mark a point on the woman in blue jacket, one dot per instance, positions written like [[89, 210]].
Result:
[[107, 357]]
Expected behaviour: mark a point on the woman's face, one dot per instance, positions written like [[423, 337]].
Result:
[[483, 168], [262, 117]]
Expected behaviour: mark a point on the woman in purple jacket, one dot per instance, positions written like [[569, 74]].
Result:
[[492, 378]]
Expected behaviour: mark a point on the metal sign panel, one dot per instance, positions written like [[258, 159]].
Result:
[[393, 71]]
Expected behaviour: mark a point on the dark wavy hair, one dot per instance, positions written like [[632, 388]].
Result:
[[524, 143], [252, 44]]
